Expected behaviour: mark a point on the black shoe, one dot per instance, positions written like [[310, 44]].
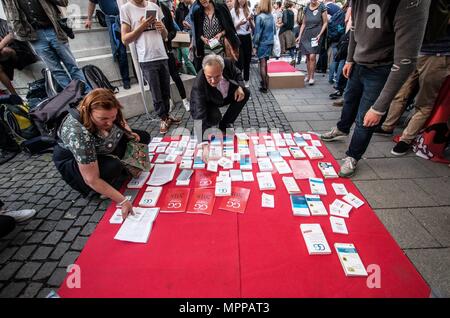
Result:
[[6, 156], [381, 132], [336, 95], [263, 90], [400, 149], [126, 85]]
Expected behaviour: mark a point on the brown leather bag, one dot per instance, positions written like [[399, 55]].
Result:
[[230, 52]]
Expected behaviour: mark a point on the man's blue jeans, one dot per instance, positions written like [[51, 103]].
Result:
[[118, 49], [363, 88], [53, 51], [333, 65]]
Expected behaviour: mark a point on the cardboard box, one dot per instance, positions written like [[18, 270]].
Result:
[[182, 39], [287, 80]]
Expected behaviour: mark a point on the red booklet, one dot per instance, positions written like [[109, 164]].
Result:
[[237, 202], [201, 201], [175, 200], [302, 169], [204, 179]]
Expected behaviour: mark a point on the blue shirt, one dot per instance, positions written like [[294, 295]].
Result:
[[109, 7]]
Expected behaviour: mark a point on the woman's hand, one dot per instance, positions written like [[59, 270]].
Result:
[[135, 136], [218, 36], [127, 208], [205, 40]]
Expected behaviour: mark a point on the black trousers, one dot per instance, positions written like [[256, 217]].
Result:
[[111, 170], [245, 55], [175, 75], [214, 116]]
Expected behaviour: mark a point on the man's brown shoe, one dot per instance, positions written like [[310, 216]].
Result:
[[339, 103], [172, 120], [163, 126]]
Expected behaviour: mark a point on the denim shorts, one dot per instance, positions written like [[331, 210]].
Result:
[[265, 51]]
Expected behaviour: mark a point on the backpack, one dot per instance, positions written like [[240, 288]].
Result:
[[96, 78], [16, 115], [49, 114], [336, 27], [342, 48]]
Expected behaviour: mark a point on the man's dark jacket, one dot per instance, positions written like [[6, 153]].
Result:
[[204, 96]]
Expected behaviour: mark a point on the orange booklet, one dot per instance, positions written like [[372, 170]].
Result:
[[175, 200], [201, 201], [237, 202], [204, 179]]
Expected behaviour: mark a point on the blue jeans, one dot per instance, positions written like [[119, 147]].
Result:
[[362, 90], [333, 64], [53, 51], [157, 75], [119, 50], [341, 80]]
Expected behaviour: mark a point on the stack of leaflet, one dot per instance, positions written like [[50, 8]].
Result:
[[201, 201], [175, 200], [312, 152], [299, 205], [327, 170], [162, 174], [150, 197], [265, 181], [136, 228], [315, 205], [350, 260], [302, 169], [138, 182], [223, 187], [315, 240]]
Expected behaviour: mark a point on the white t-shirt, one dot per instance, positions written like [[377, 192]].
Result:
[[244, 28], [149, 45]]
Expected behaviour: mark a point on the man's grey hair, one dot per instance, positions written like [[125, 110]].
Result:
[[212, 59]]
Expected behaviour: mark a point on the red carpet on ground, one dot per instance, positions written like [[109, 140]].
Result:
[[260, 253], [280, 67]]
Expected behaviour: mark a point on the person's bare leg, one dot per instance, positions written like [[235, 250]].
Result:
[[4, 79], [312, 59]]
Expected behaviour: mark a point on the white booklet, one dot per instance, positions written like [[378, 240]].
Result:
[[223, 188], [283, 167], [247, 176], [150, 197], [137, 229], [138, 182], [212, 166], [265, 181], [116, 218], [264, 164], [315, 240], [284, 152], [162, 174], [186, 163], [315, 205], [291, 185], [267, 201], [350, 260], [313, 152], [339, 188], [340, 208], [299, 205], [338, 225], [353, 200], [236, 175], [226, 163], [297, 153], [317, 186], [327, 170]]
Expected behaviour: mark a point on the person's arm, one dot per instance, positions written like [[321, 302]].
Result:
[[90, 13], [257, 35], [302, 29], [168, 23], [61, 3], [6, 40], [409, 26], [91, 176], [324, 25]]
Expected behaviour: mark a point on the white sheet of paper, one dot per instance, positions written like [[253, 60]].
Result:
[[137, 231], [353, 200], [267, 201], [339, 188]]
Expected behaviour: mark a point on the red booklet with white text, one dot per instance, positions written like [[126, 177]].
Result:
[[237, 202], [201, 201], [302, 169], [204, 179], [175, 200]]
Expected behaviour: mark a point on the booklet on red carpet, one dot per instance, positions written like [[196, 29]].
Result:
[[204, 179], [237, 202], [302, 169], [350, 260], [150, 196], [137, 228], [315, 240], [201, 201], [175, 200]]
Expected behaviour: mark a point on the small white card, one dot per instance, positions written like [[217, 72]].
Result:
[[353, 200], [291, 186], [283, 167], [247, 176], [316, 143], [264, 164], [339, 188], [225, 163], [236, 175], [212, 166], [267, 201], [340, 208], [116, 218], [186, 164], [338, 225], [317, 186], [265, 181]]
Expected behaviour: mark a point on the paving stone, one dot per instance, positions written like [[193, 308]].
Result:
[[44, 200], [364, 171], [45, 271], [56, 215], [28, 270], [43, 213], [42, 253], [81, 221], [88, 229], [6, 254], [24, 252], [386, 194], [8, 271], [97, 216], [433, 266], [37, 237], [48, 226], [405, 229], [79, 243], [64, 225], [32, 290], [300, 126], [399, 168], [437, 188], [44, 293], [439, 169], [21, 238], [57, 277], [33, 225], [71, 234], [72, 213], [437, 222], [59, 251], [68, 259], [12, 290], [53, 238]]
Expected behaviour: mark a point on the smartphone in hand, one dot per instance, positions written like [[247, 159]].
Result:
[[148, 14]]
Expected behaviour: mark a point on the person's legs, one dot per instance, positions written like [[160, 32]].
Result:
[[4, 79], [120, 51], [43, 48], [341, 80], [7, 224], [373, 81], [234, 109], [312, 66], [187, 62], [150, 72], [333, 63], [175, 76], [263, 72], [164, 83]]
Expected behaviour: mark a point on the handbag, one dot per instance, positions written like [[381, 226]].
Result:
[[136, 158], [230, 51], [66, 28]]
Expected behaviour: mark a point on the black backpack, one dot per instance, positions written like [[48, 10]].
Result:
[[336, 27], [96, 78]]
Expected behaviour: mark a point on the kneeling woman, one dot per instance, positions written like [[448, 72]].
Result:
[[89, 147]]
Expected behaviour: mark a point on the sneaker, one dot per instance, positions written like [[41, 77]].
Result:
[[126, 85], [20, 215], [333, 134], [186, 105], [335, 95], [263, 90], [400, 149], [292, 62], [311, 81], [172, 120], [381, 132], [247, 84], [163, 126], [348, 168], [338, 103]]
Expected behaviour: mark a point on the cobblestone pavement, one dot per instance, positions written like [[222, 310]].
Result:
[[410, 195]]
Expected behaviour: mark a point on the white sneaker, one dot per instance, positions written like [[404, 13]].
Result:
[[186, 105], [171, 105], [247, 84], [20, 215], [311, 82], [348, 168]]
